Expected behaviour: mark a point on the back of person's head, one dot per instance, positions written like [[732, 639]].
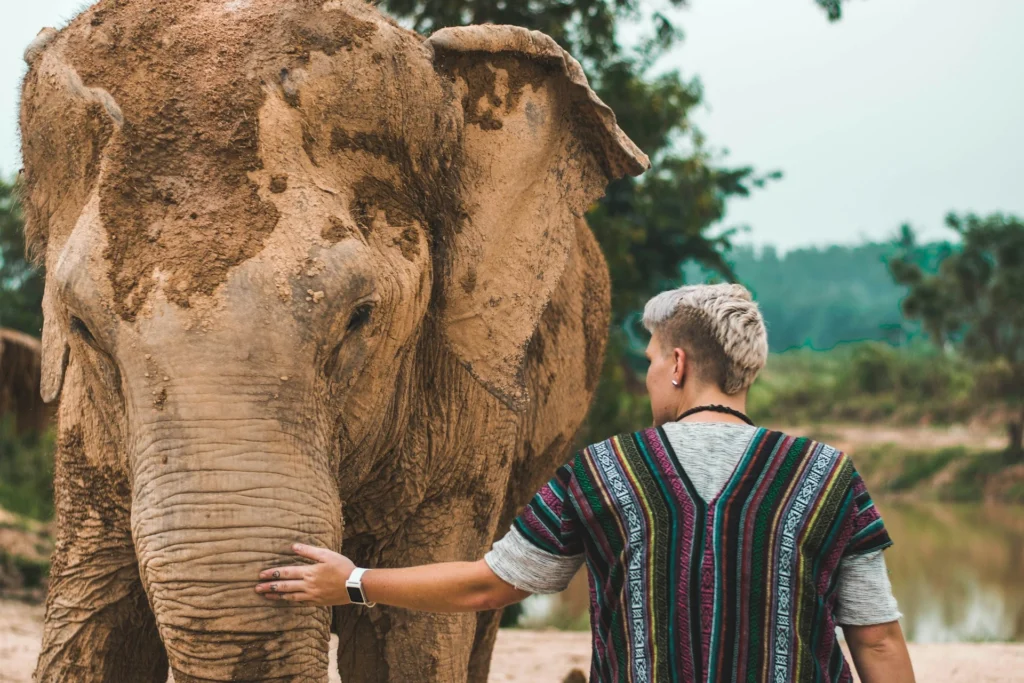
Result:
[[720, 329]]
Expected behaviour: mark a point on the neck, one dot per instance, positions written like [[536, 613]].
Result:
[[710, 397]]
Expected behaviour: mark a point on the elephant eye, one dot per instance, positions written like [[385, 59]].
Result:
[[82, 330], [358, 320], [360, 317]]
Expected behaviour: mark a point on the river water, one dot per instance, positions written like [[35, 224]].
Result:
[[957, 572]]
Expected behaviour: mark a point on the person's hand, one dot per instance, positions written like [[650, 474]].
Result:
[[322, 583]]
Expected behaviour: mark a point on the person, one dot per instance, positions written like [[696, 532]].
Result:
[[716, 550]]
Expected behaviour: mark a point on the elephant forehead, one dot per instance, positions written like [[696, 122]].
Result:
[[178, 192]]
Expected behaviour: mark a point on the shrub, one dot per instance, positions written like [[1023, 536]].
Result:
[[866, 381], [26, 471]]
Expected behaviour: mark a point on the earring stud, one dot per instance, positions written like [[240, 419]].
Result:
[[675, 383]]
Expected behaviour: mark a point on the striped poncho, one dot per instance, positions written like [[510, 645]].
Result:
[[739, 588]]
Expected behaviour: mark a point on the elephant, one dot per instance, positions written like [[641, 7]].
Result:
[[310, 277]]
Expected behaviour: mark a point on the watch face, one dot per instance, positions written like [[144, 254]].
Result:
[[354, 594]]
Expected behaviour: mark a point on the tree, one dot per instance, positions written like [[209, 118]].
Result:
[[21, 285], [973, 304]]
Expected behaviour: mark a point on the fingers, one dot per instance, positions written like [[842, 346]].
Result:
[[291, 597], [297, 572], [313, 553], [282, 587]]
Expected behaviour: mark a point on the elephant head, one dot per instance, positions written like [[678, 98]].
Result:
[[270, 230]]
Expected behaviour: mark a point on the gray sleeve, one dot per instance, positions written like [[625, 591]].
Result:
[[864, 594], [518, 562]]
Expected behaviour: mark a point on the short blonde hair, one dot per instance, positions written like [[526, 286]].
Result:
[[720, 328]]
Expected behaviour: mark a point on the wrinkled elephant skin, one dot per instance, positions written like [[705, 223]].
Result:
[[309, 277]]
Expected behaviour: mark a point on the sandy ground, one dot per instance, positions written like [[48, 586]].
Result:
[[852, 437], [548, 656]]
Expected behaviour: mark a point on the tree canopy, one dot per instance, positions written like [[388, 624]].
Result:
[[817, 298], [973, 303], [21, 285]]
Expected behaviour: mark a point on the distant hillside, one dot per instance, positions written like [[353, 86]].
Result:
[[818, 298]]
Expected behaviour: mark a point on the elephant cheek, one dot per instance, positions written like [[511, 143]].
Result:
[[216, 502]]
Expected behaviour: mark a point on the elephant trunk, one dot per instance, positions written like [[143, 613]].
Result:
[[215, 501]]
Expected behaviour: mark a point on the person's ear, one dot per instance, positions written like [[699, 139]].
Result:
[[679, 367], [538, 148]]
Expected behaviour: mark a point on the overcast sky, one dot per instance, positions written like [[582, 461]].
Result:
[[902, 111]]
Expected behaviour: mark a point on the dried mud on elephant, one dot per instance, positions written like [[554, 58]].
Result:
[[310, 277]]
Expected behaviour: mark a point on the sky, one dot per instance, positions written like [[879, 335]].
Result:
[[901, 112]]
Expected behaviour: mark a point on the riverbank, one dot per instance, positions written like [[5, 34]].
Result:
[[523, 656], [962, 464]]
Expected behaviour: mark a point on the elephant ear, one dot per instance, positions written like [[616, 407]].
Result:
[[539, 147], [55, 349], [61, 118]]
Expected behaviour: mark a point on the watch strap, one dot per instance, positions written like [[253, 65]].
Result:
[[354, 586]]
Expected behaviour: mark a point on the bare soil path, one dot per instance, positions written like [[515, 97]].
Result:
[[851, 437], [548, 656]]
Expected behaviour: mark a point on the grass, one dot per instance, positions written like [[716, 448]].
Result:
[[26, 471], [920, 468], [971, 480], [1015, 494], [31, 571], [894, 469], [864, 382]]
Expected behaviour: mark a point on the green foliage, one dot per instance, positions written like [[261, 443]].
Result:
[[973, 303], [956, 474], [622, 404], [587, 28], [972, 479], [510, 615], [26, 471], [895, 469], [1014, 494], [21, 285], [30, 571], [833, 8], [923, 467], [818, 298], [869, 381]]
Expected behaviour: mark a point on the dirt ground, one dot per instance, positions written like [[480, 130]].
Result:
[[548, 656], [852, 437]]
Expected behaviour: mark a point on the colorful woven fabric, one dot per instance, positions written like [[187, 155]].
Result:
[[739, 588]]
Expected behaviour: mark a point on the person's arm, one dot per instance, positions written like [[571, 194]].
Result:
[[541, 553], [867, 609], [445, 587], [880, 653]]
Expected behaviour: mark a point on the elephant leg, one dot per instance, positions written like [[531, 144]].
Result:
[[99, 626], [390, 645], [483, 645]]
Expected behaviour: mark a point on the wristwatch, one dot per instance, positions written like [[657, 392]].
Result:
[[354, 586]]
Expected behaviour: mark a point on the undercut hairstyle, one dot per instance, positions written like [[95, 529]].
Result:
[[718, 326]]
